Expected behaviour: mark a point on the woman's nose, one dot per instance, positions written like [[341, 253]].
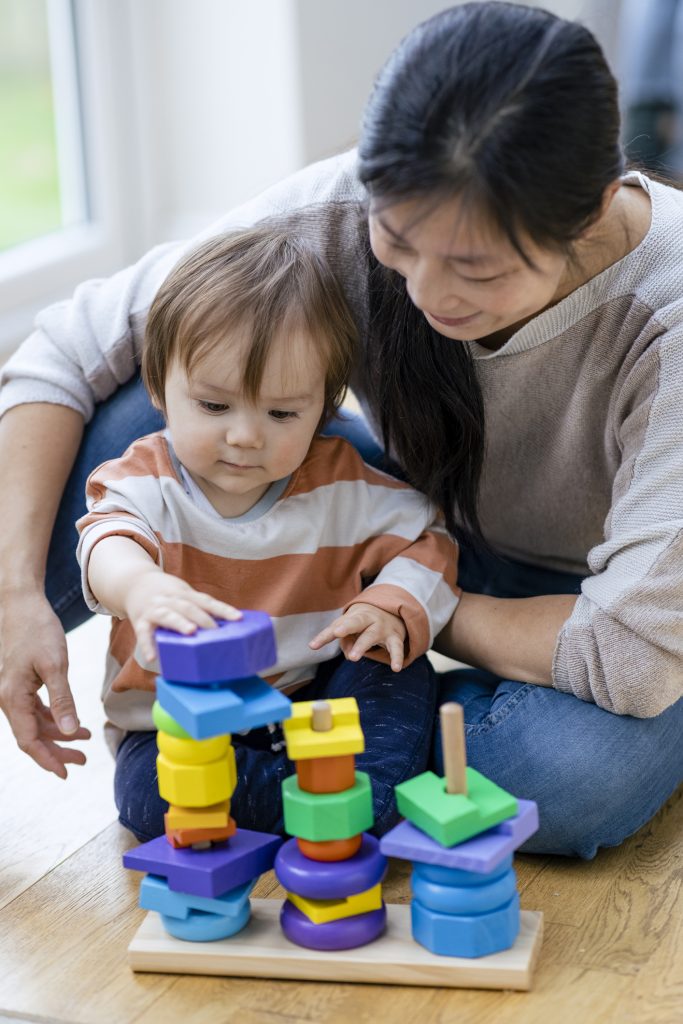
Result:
[[430, 292]]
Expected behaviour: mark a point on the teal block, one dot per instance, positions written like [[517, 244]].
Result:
[[202, 927], [207, 711], [466, 935], [480, 898], [156, 895], [451, 818], [320, 817]]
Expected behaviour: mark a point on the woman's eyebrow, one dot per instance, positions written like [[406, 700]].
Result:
[[471, 258]]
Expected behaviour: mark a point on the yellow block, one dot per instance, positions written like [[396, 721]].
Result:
[[322, 911], [197, 785], [192, 751], [214, 816], [345, 736]]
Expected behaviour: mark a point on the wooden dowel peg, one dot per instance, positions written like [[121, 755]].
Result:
[[453, 746], [321, 716]]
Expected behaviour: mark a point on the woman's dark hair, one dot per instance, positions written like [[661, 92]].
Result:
[[514, 111]]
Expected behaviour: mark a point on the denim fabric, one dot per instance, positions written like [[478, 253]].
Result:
[[597, 777], [397, 715]]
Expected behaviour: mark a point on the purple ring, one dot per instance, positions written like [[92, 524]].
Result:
[[346, 933], [330, 880]]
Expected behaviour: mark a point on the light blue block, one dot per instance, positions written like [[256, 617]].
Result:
[[464, 899], [455, 876], [466, 935], [202, 927], [156, 895], [206, 711]]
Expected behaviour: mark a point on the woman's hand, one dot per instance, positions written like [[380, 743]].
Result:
[[32, 654], [159, 599], [362, 627]]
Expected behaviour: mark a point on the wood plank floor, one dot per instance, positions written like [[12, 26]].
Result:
[[613, 948]]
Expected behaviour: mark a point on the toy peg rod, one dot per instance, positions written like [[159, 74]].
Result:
[[321, 716], [453, 746]]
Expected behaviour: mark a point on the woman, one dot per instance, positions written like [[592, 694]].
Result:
[[523, 365]]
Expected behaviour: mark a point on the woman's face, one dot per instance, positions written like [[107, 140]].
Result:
[[468, 281]]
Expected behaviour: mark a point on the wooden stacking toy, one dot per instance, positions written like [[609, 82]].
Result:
[[202, 871], [461, 832], [332, 869]]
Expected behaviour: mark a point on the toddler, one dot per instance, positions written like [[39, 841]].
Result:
[[240, 502]]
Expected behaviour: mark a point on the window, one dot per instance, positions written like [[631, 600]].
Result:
[[42, 184], [69, 183]]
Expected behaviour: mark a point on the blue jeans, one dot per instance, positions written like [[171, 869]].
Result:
[[597, 777]]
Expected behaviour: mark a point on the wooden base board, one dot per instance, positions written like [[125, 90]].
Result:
[[262, 951]]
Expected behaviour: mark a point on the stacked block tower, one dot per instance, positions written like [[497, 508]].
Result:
[[202, 870], [332, 869], [461, 832]]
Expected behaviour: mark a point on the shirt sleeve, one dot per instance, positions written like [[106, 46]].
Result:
[[622, 647], [113, 511], [83, 349], [417, 582]]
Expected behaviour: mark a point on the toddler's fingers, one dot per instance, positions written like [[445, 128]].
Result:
[[218, 609], [396, 651], [325, 636], [370, 637]]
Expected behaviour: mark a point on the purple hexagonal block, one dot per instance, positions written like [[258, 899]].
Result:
[[232, 650], [207, 872], [482, 853], [346, 933], [332, 880]]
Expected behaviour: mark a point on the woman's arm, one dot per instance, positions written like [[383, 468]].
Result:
[[38, 445], [515, 638]]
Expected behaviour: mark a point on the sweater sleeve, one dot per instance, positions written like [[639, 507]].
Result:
[[410, 560], [115, 503], [622, 647], [83, 349]]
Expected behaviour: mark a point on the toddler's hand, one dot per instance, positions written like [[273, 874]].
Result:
[[159, 599], [363, 626]]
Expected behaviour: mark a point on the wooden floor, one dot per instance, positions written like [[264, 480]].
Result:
[[613, 948]]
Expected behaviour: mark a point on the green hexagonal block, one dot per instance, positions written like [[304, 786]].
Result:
[[452, 818], [166, 723], [319, 817]]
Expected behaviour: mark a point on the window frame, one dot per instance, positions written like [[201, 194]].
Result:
[[36, 273]]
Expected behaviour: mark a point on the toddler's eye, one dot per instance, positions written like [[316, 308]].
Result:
[[282, 414], [214, 407]]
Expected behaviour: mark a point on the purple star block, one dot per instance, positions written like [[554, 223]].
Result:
[[231, 650], [331, 880], [207, 872], [482, 853]]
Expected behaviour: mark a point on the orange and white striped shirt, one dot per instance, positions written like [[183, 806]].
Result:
[[337, 531]]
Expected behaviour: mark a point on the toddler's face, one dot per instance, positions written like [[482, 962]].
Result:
[[235, 448]]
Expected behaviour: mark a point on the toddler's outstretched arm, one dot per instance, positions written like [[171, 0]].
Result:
[[129, 584]]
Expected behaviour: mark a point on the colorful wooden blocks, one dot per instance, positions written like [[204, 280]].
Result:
[[331, 870], [203, 868], [465, 901], [232, 650]]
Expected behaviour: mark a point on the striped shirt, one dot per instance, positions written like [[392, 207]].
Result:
[[336, 532]]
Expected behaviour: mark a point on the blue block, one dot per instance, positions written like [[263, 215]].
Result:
[[453, 876], [202, 927], [156, 895], [245, 704], [207, 872], [466, 935], [463, 899], [231, 650]]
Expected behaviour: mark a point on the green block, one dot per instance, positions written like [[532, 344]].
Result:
[[452, 818], [319, 817], [165, 723]]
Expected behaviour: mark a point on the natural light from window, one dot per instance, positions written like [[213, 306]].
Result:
[[42, 187]]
